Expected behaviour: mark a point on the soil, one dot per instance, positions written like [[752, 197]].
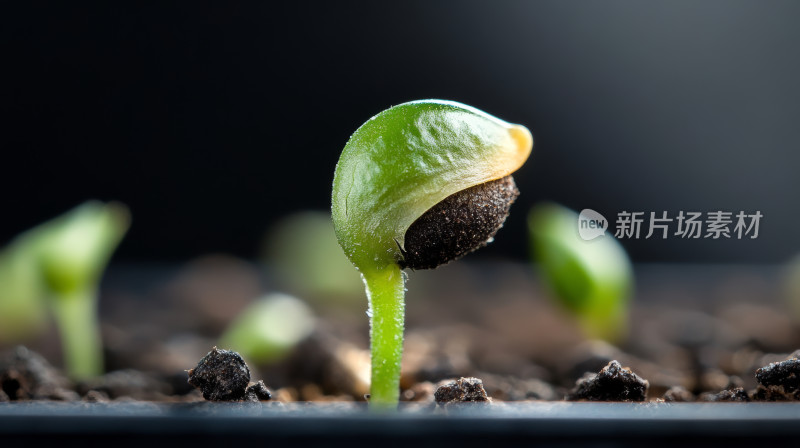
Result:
[[462, 390], [222, 375], [612, 383], [476, 333]]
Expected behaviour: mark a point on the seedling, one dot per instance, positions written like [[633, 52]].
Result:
[[416, 186], [269, 328], [303, 251], [593, 279], [23, 313], [71, 254]]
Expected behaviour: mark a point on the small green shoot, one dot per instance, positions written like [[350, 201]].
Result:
[[593, 279], [396, 168], [303, 251], [269, 328], [23, 312], [71, 254]]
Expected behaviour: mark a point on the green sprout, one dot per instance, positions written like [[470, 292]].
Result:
[[23, 313], [269, 328], [71, 254], [592, 279], [303, 251], [418, 185]]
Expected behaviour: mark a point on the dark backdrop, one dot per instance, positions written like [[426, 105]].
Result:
[[210, 120]]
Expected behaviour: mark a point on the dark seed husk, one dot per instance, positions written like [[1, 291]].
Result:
[[461, 223]]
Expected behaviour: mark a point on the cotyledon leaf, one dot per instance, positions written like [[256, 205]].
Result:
[[408, 158], [592, 279]]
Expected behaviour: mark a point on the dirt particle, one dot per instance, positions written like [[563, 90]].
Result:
[[590, 356], [773, 393], [612, 383], [678, 394], [736, 394], [462, 390], [221, 375], [96, 396], [461, 223], [784, 373], [25, 375], [257, 392]]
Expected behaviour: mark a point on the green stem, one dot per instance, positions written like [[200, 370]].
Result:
[[76, 316], [386, 294]]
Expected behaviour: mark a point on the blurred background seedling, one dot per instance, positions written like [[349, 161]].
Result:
[[23, 312], [302, 252], [591, 280], [268, 329], [58, 265]]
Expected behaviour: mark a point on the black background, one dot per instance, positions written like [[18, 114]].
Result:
[[212, 120]]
